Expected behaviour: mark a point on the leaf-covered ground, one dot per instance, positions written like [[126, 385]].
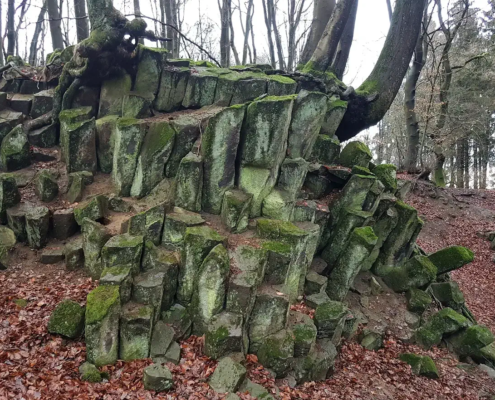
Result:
[[37, 365]]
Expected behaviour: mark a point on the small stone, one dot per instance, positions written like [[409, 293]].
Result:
[[314, 300], [173, 353], [228, 376], [376, 288], [371, 340], [157, 377], [46, 186], [74, 254], [255, 390], [90, 373], [64, 223], [94, 208], [67, 319], [421, 365], [52, 256], [412, 320]]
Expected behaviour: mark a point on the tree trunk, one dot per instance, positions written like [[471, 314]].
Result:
[[11, 28], [322, 11], [376, 94], [452, 170], [247, 32], [82, 25], [466, 164], [326, 48], [340, 62], [225, 14], [412, 125], [232, 42], [475, 166], [253, 43], [272, 13], [438, 173], [55, 24], [268, 25], [33, 48], [389, 9], [173, 46], [460, 164]]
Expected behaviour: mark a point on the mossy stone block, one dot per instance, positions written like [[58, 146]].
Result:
[[448, 293], [190, 183], [9, 192], [257, 182], [235, 210], [105, 142], [329, 318], [326, 150], [14, 151], [334, 115], [95, 235], [112, 94], [123, 250], [292, 175], [451, 258], [137, 105], [417, 300], [228, 376], [355, 153], [421, 365], [78, 142], [279, 205], [94, 208], [277, 352], [179, 319], [172, 89], [89, 373], [418, 272], [121, 277], [304, 332], [157, 377], [470, 341], [37, 226], [225, 335], [151, 60], [446, 321], [67, 319], [387, 174], [74, 254], [136, 325]]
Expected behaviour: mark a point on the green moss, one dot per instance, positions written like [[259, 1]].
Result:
[[420, 365], [355, 153], [386, 173], [366, 235], [337, 104], [362, 171], [90, 373], [304, 333], [281, 79], [21, 303], [278, 98], [417, 300], [473, 339], [368, 88], [67, 319], [100, 300], [277, 247], [311, 69], [330, 310], [451, 258]]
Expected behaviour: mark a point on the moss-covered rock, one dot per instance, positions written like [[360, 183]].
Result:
[[326, 150], [210, 288], [371, 340], [334, 115], [190, 183], [255, 390], [74, 254], [7, 242], [315, 283], [95, 236], [105, 141], [417, 300], [225, 335], [102, 325], [90, 373], [257, 182], [172, 89], [235, 210], [148, 223], [94, 208], [151, 60], [279, 204], [329, 319], [9, 192], [276, 352], [44, 137], [448, 293], [292, 175], [121, 277], [418, 272], [359, 247], [421, 365], [446, 321], [14, 151], [198, 242], [279, 258], [123, 250], [179, 319], [175, 227], [78, 142], [355, 153], [387, 174], [137, 105], [157, 377], [112, 94], [307, 116], [67, 319], [228, 376], [42, 103], [76, 189], [136, 324], [451, 258], [200, 89], [37, 226], [128, 140], [304, 332], [161, 340], [470, 341], [219, 150]]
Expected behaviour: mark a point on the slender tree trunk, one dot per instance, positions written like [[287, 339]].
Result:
[[379, 146], [438, 173], [460, 163], [173, 46], [452, 170], [268, 24], [412, 125], [322, 11], [11, 28], [272, 13], [253, 43], [225, 14], [475, 166], [344, 49], [232, 42], [55, 24], [466, 164], [294, 17], [33, 49], [82, 25], [389, 9], [327, 46], [376, 94], [247, 32], [2, 49]]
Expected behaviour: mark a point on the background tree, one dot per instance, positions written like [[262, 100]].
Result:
[[55, 24], [82, 25]]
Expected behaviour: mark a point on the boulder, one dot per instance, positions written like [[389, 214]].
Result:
[[219, 150], [9, 192], [451, 258], [157, 377], [64, 223], [155, 152], [225, 335], [44, 137], [102, 325], [235, 210], [334, 115], [208, 295], [123, 250], [148, 223], [420, 365], [276, 352], [190, 183], [14, 151], [279, 204], [417, 272], [89, 373], [355, 153], [198, 242], [129, 137], [121, 277], [105, 142], [67, 319], [37, 226], [448, 293], [371, 340], [74, 254], [161, 340], [21, 103], [172, 89], [52, 256], [200, 89], [278, 261], [304, 331], [255, 390], [387, 174], [45, 186], [292, 175], [469, 342], [86, 176], [314, 300], [95, 235], [417, 300], [307, 117], [136, 325], [257, 182], [149, 69], [179, 319], [350, 261], [78, 142], [228, 376], [95, 208], [112, 94], [8, 121], [42, 103], [329, 320], [444, 322], [147, 288], [326, 150], [315, 283], [76, 189], [137, 105]]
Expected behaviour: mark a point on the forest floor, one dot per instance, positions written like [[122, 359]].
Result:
[[37, 365]]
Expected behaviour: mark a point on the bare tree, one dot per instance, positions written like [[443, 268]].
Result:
[[82, 26], [268, 24], [344, 49], [389, 9], [55, 24], [322, 11], [33, 49], [232, 42], [225, 15], [247, 31], [11, 28], [294, 16], [171, 13], [272, 17]]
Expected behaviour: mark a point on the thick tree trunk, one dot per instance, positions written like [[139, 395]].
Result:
[[268, 24], [11, 28], [33, 48], [412, 125], [438, 173], [322, 11], [225, 14], [376, 94], [340, 62], [327, 46], [55, 24], [82, 26]]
